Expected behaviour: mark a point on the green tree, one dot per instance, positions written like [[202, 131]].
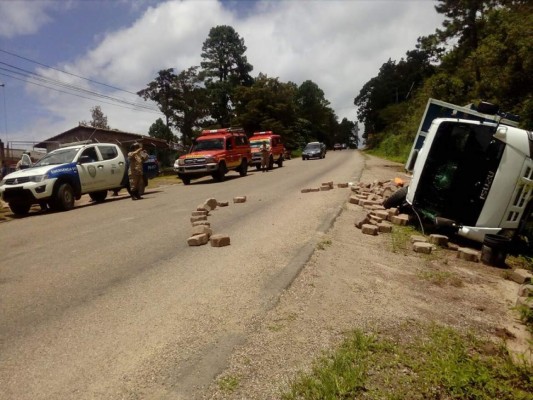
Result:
[[314, 108], [224, 67], [267, 104], [348, 133], [160, 91], [99, 120], [181, 98], [161, 131]]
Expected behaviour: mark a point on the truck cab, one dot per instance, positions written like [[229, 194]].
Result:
[[215, 152], [274, 144], [472, 175]]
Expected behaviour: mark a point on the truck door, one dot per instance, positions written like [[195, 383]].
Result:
[[90, 170], [231, 152], [113, 165]]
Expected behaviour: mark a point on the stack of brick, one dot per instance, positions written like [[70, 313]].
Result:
[[325, 186], [201, 229]]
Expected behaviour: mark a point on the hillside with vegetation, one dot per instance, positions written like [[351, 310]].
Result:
[[482, 52]]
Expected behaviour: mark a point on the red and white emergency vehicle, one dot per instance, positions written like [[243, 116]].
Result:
[[215, 152], [275, 145]]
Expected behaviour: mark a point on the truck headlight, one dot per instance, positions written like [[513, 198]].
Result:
[[180, 161], [210, 160], [38, 178]]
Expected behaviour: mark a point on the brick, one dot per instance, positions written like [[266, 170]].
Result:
[[369, 229], [201, 207], [375, 220], [305, 191], [330, 184], [422, 247], [199, 218], [220, 240], [401, 219], [439, 240], [453, 246], [201, 230], [520, 275], [199, 213], [359, 224], [211, 203], [198, 240], [385, 227], [353, 200], [382, 214], [325, 188], [223, 203], [197, 223], [239, 199], [467, 254], [418, 238], [342, 185]]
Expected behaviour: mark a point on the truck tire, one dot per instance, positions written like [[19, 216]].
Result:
[[64, 197], [185, 179], [20, 208], [258, 167], [397, 198], [280, 162], [270, 163], [243, 168], [98, 197], [219, 174]]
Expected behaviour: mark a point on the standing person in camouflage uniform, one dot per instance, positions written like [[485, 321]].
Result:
[[265, 157], [136, 158]]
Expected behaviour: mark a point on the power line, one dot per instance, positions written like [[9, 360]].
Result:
[[134, 107], [31, 77], [65, 72]]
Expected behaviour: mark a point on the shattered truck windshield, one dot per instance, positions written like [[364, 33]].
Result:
[[458, 173]]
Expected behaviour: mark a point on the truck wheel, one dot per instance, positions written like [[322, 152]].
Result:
[[98, 197], [243, 168], [186, 180], [20, 208], [219, 174], [396, 199], [64, 197], [280, 162], [258, 167]]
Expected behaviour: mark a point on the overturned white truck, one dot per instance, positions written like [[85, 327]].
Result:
[[472, 173]]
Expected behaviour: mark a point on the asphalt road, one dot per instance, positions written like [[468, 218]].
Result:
[[107, 301]]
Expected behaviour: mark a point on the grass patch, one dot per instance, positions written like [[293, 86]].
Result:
[[323, 244], [401, 238], [440, 278], [228, 383], [520, 261], [420, 362]]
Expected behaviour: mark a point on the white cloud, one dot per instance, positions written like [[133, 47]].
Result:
[[23, 18], [339, 45]]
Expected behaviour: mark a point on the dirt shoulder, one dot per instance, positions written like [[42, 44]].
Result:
[[357, 281]]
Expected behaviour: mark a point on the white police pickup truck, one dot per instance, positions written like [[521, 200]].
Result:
[[64, 175]]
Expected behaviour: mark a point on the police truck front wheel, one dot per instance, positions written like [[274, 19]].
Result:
[[20, 208], [64, 197]]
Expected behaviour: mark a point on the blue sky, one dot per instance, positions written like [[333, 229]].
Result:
[[339, 45]]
